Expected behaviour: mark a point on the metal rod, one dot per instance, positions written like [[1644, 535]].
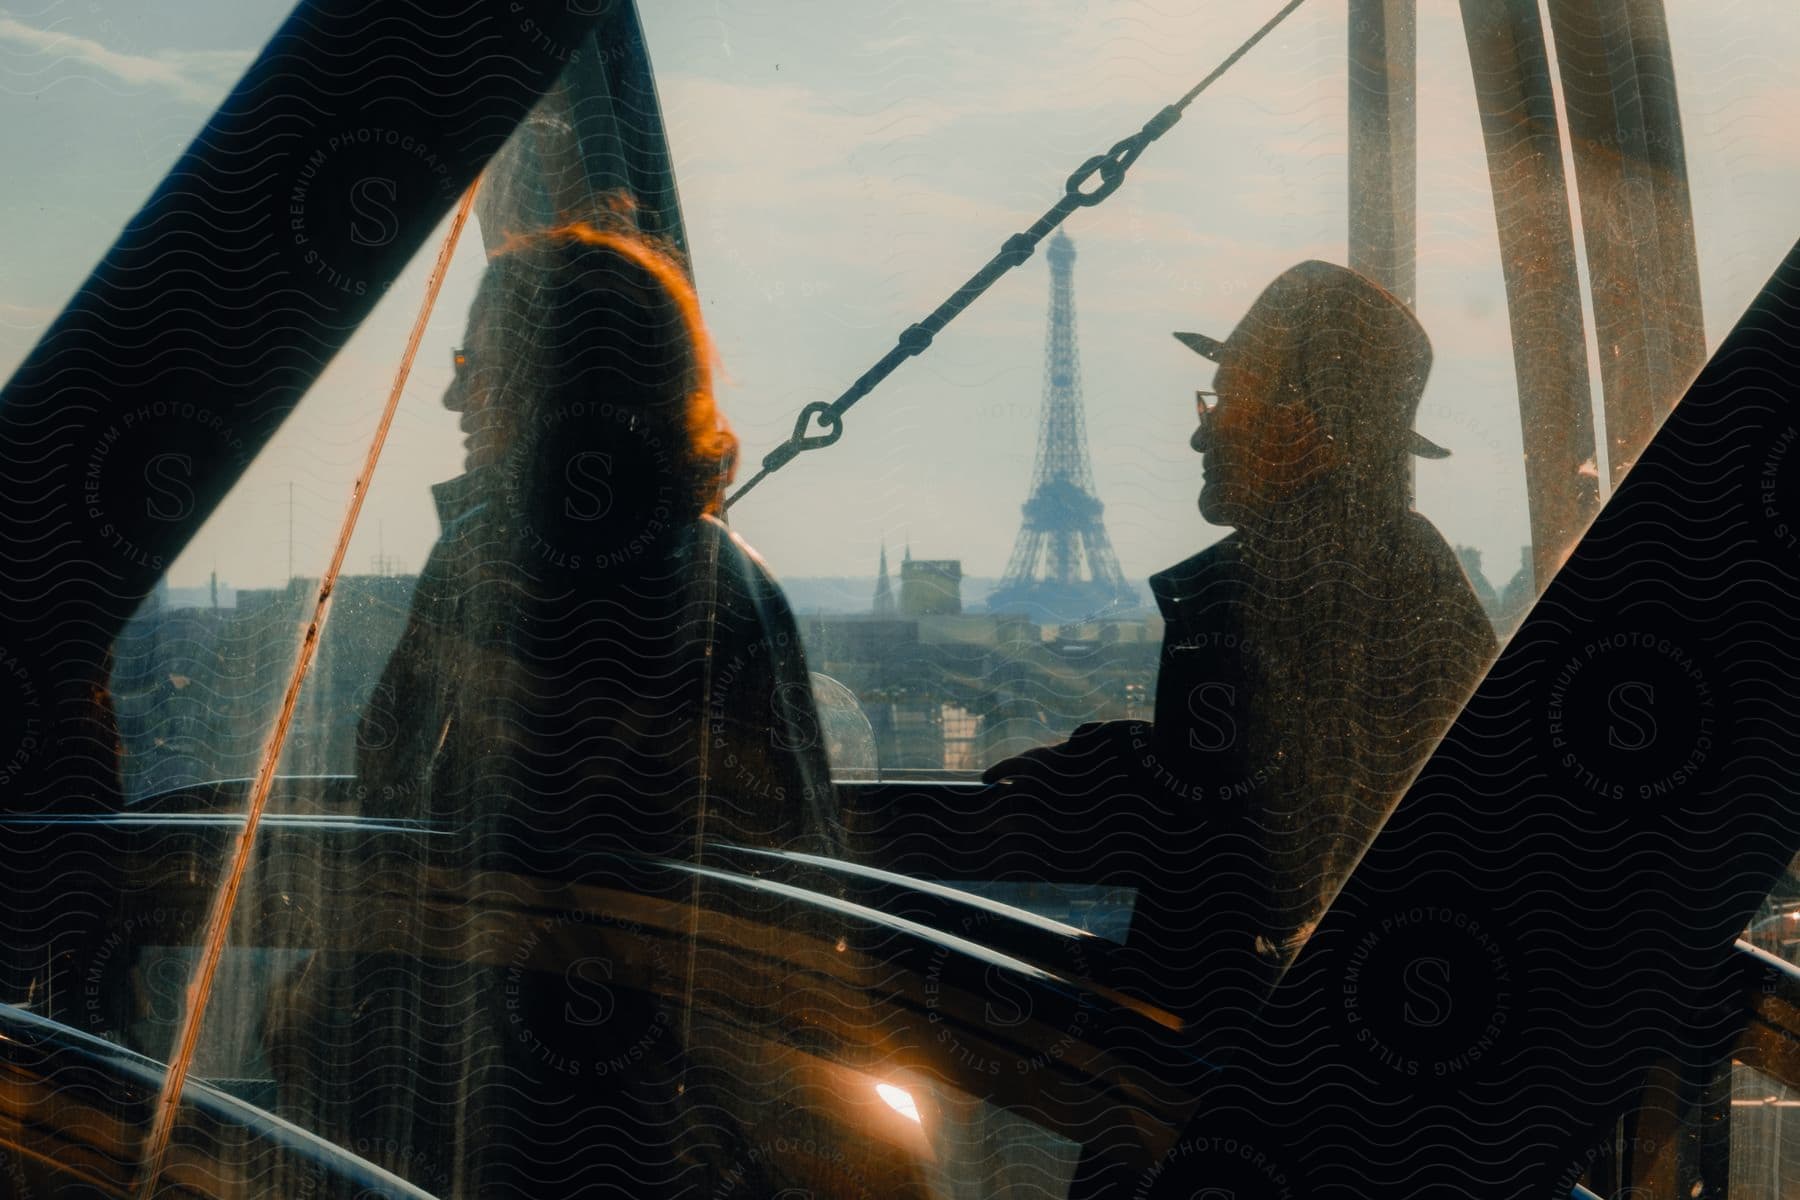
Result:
[[218, 923]]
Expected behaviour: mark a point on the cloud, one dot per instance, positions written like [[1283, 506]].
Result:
[[25, 316], [198, 76]]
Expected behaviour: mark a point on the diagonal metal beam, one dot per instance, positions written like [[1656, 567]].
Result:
[[262, 251]]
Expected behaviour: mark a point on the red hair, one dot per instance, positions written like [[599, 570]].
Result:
[[709, 446]]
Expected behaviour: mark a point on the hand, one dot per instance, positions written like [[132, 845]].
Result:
[[1094, 745]]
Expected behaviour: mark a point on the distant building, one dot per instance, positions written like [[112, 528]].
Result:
[[1470, 558], [198, 687], [1517, 597], [930, 587], [1507, 606], [962, 690]]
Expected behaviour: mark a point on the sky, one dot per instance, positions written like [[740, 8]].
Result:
[[844, 167]]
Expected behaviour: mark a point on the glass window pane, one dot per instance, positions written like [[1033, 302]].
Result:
[[574, 794]]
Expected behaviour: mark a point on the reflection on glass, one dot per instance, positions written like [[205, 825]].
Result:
[[494, 933], [591, 664], [1311, 660], [584, 630]]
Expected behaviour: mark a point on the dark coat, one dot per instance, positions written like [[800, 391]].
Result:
[[641, 699], [1298, 695]]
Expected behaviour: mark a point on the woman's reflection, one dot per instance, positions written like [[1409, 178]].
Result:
[[592, 663], [588, 645]]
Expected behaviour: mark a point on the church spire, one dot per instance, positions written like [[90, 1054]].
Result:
[[884, 591]]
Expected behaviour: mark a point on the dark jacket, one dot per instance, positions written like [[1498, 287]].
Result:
[[1299, 694], [643, 702]]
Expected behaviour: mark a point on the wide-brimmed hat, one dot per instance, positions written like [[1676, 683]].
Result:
[[1349, 344]]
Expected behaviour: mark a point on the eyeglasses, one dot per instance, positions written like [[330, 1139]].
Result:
[[459, 358], [1202, 408]]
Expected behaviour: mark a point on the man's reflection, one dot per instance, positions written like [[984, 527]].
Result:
[[1312, 658], [1358, 634]]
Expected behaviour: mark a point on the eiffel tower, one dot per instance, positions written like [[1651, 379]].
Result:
[[1063, 568]]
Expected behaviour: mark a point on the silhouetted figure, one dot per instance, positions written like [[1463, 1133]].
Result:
[[590, 652], [592, 664], [1311, 660]]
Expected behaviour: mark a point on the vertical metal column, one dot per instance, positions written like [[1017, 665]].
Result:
[[1384, 144], [1537, 255], [1618, 82]]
